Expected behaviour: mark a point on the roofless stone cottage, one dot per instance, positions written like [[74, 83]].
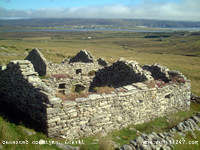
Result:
[[139, 93]]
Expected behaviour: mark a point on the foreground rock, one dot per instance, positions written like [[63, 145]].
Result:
[[164, 140], [28, 131], [67, 147]]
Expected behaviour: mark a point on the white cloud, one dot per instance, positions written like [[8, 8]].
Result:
[[186, 10]]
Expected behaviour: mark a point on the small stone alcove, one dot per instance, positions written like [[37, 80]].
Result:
[[62, 85], [79, 88], [78, 71]]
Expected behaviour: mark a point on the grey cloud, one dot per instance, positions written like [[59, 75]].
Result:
[[187, 10]]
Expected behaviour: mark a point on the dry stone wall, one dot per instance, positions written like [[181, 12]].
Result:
[[67, 84], [72, 68], [103, 113], [82, 63]]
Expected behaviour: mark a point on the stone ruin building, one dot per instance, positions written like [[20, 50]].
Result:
[[83, 95]]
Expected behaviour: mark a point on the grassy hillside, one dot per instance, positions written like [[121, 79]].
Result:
[[179, 51]]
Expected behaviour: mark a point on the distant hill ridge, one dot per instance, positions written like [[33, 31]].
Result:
[[49, 22]]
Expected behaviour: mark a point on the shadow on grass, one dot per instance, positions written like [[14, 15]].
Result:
[[10, 113]]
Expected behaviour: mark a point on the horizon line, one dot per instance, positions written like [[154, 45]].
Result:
[[27, 18]]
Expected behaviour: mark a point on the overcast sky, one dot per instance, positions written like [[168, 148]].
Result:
[[144, 9]]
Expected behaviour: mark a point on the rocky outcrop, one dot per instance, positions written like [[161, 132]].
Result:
[[82, 56], [66, 147], [38, 60]]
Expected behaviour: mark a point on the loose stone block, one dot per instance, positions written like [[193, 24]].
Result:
[[94, 96], [73, 114], [82, 99], [52, 110], [54, 120], [69, 103], [129, 87], [103, 103], [55, 100], [83, 122]]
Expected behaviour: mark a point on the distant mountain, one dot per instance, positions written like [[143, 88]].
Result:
[[101, 22]]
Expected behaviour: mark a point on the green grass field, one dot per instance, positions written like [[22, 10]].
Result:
[[178, 51]]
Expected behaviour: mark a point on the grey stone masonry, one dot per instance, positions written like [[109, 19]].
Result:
[[38, 60], [106, 112], [82, 63], [72, 68]]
